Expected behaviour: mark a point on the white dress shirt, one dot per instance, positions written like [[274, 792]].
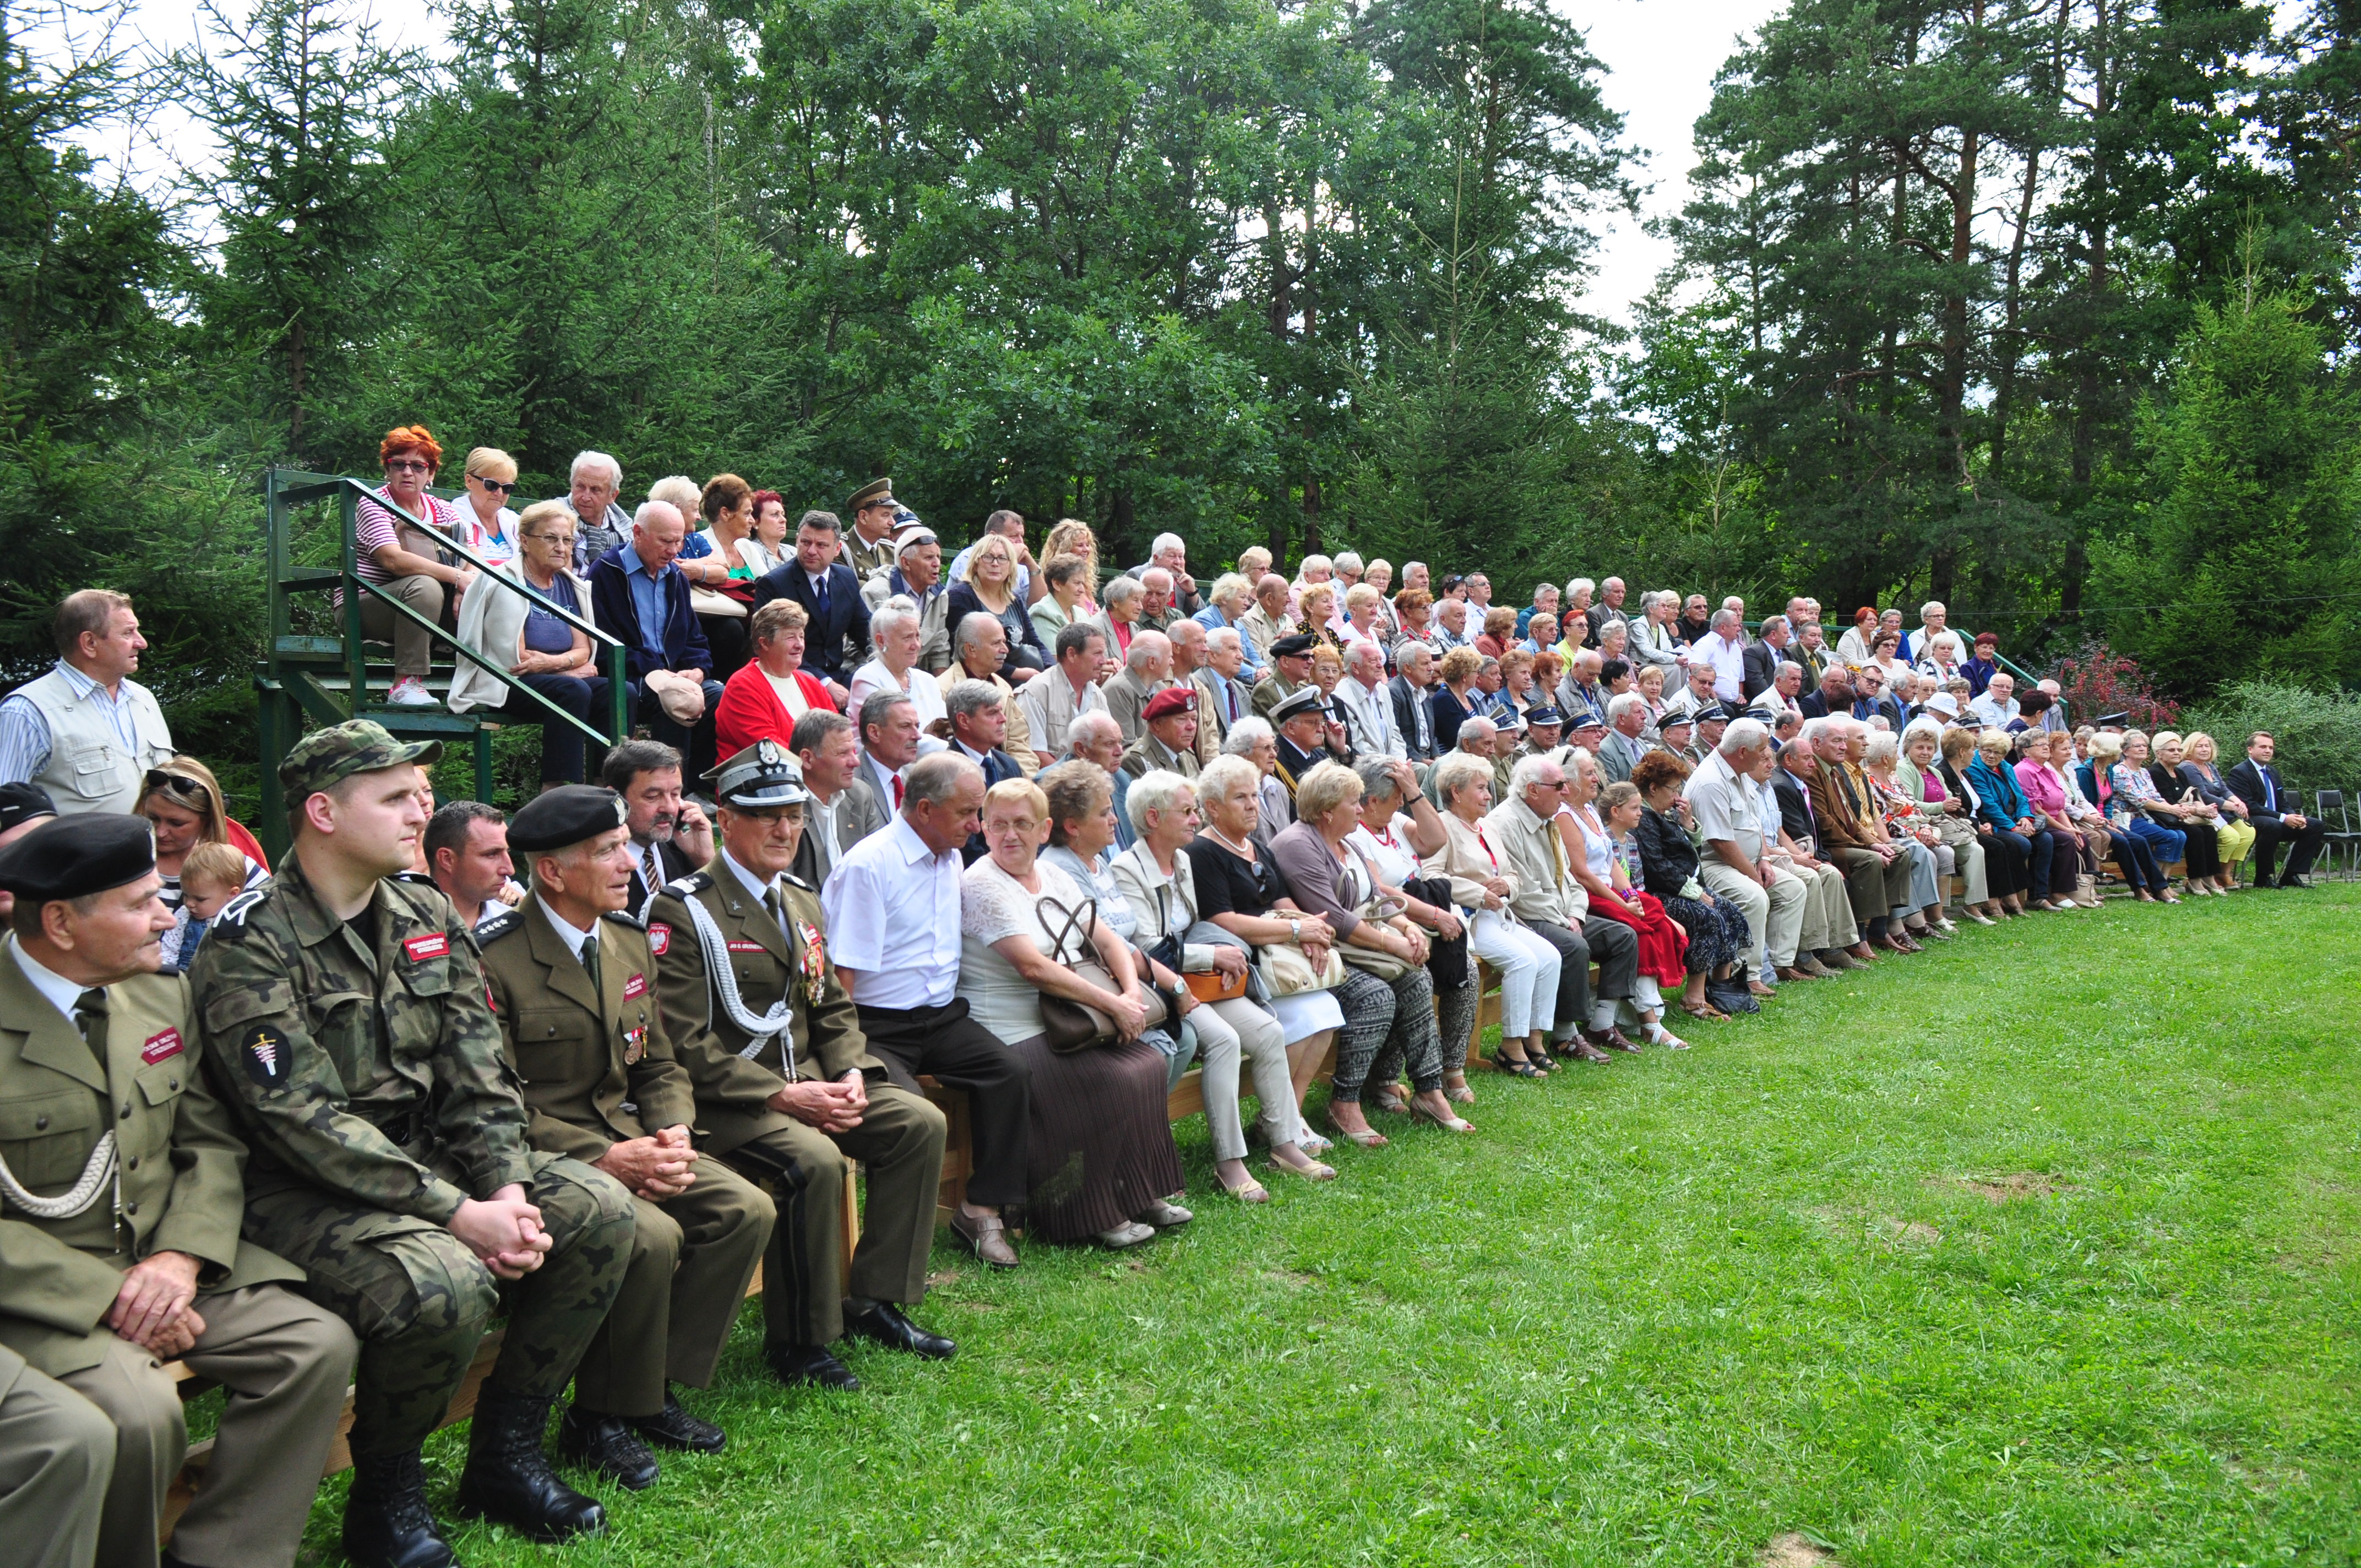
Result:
[[1728, 660], [893, 909]]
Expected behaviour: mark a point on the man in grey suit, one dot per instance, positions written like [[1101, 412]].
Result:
[[843, 808], [1223, 681], [1627, 720], [1147, 670]]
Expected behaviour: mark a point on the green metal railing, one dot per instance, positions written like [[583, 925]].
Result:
[[288, 678]]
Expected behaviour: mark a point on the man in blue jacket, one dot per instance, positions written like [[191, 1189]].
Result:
[[836, 644], [636, 591]]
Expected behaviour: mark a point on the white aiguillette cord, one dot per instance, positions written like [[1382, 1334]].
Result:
[[761, 1026], [76, 1199]]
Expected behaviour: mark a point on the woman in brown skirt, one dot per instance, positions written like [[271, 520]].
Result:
[[1103, 1163]]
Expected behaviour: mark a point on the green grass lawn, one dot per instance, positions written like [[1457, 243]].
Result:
[[2037, 1249]]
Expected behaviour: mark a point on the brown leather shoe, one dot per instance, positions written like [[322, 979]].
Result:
[[1835, 960], [1793, 972], [1861, 953], [1613, 1038], [984, 1235], [1585, 1051], [1887, 942], [1759, 989]]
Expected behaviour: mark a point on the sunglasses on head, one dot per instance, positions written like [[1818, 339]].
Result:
[[504, 486], [180, 786]]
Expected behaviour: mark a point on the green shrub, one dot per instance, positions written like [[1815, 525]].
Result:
[[2319, 733]]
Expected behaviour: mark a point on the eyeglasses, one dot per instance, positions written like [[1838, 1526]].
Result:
[[180, 787], [409, 465], [501, 487]]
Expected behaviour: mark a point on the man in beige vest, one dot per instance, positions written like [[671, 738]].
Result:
[[124, 1200], [86, 731]]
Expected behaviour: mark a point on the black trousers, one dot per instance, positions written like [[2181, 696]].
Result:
[[2269, 835], [1610, 944], [959, 1051]]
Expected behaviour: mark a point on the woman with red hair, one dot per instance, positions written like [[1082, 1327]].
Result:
[[402, 558]]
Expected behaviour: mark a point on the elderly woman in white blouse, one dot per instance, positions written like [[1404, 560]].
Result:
[[1482, 884], [1399, 826], [1160, 887]]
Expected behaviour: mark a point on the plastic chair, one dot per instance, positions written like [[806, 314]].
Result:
[[2342, 841]]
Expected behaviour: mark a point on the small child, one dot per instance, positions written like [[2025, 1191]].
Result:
[[211, 875]]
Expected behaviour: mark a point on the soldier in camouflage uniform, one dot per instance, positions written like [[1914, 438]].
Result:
[[787, 1105], [575, 986], [346, 1025]]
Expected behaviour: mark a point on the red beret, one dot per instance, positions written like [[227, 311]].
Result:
[[1169, 701]]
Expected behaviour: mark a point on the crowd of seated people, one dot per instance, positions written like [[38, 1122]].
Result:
[[1019, 827]]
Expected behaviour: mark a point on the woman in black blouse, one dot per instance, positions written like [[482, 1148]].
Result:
[[1669, 868], [990, 586]]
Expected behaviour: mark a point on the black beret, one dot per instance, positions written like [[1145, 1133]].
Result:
[[1293, 647], [78, 855], [21, 803], [564, 816]]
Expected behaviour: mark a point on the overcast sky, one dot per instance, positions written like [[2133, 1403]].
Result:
[[1661, 56]]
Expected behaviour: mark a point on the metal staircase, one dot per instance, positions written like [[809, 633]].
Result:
[[304, 676]]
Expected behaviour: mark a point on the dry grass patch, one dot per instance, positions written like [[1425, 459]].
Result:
[[2000, 1189], [1794, 1549]]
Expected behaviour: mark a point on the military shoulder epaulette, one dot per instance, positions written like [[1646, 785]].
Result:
[[794, 880], [415, 879], [625, 917], [229, 923], [689, 886], [499, 926]]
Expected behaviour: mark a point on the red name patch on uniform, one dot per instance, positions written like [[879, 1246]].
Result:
[[635, 986], [659, 938], [159, 1046], [421, 949], [745, 946]]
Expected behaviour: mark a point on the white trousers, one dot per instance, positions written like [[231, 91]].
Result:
[[1232, 1035], [1529, 968]]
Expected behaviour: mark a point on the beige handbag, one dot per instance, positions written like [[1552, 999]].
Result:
[[1286, 971], [705, 601]]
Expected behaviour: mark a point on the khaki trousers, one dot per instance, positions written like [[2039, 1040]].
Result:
[[413, 646], [691, 1258], [56, 1455], [1828, 915], [900, 1146], [286, 1363], [1774, 916]]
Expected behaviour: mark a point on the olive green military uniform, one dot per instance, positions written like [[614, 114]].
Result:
[[135, 1074], [56, 1455], [899, 1140], [369, 1078], [1269, 690], [598, 1069]]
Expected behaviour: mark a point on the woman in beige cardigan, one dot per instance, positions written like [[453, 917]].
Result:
[[1482, 884]]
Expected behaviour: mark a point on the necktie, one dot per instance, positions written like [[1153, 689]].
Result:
[[2270, 793], [90, 1017], [778, 912], [591, 964], [819, 597], [649, 872], [897, 791]]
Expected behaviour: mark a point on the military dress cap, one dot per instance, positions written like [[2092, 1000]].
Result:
[[1677, 719], [1294, 647], [1544, 714], [1586, 720], [78, 855], [326, 758], [765, 775], [1714, 713], [1177, 699], [875, 491], [1295, 703], [22, 803], [566, 814], [2114, 721]]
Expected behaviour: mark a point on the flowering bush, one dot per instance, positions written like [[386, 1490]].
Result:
[[2099, 680]]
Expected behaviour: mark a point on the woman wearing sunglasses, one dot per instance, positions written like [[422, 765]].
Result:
[[400, 560], [184, 802], [491, 481]]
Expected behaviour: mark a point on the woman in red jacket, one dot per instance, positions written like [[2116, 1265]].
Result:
[[769, 691]]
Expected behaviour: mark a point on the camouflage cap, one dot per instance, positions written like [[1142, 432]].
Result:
[[327, 757]]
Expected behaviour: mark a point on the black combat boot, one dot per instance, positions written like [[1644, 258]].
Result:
[[508, 1479], [386, 1521], [606, 1445]]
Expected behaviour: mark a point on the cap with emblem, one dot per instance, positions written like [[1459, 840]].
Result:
[[1676, 718], [78, 855], [326, 758], [876, 492], [1586, 720], [564, 816], [1172, 700], [1714, 713], [763, 775], [23, 803], [1544, 714], [2114, 721], [1297, 703], [1294, 647]]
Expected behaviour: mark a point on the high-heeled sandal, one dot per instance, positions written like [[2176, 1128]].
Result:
[[1316, 1171], [1250, 1191], [1391, 1100], [1456, 1090], [1370, 1140], [1421, 1111]]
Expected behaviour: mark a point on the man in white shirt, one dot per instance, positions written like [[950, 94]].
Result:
[[1998, 704], [893, 909], [1369, 706], [86, 731], [468, 855], [1724, 648], [1733, 863]]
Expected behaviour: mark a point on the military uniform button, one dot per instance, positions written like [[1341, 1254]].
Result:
[[126, 1112], [41, 1123], [135, 1162], [132, 1207], [172, 1083]]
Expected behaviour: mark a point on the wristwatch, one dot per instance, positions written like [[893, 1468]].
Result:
[[1295, 932]]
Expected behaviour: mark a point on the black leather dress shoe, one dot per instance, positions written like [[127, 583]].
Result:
[[811, 1366], [606, 1444], [885, 1324], [2294, 882], [675, 1428]]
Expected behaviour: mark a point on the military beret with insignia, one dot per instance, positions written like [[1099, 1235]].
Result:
[[565, 815], [1169, 701], [23, 803], [1294, 647], [70, 856]]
